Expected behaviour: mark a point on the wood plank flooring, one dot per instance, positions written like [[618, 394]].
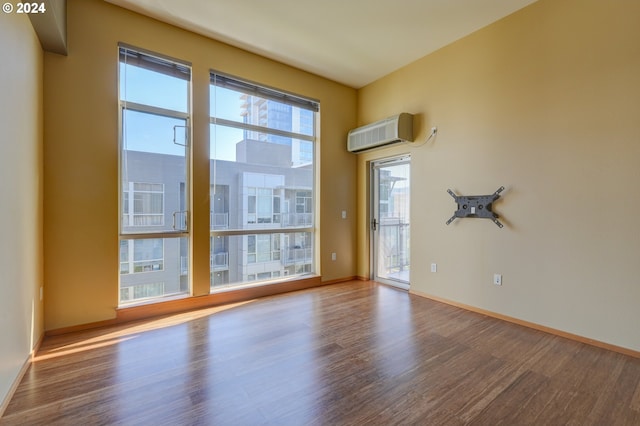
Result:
[[356, 353]]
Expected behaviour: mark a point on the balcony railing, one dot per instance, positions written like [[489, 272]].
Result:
[[297, 219], [219, 261], [218, 220], [143, 219], [295, 255], [394, 234]]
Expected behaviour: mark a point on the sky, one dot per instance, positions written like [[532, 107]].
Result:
[[154, 133]]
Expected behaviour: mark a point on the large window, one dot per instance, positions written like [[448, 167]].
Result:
[[154, 176], [262, 180]]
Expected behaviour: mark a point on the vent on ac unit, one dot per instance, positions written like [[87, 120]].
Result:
[[398, 128]]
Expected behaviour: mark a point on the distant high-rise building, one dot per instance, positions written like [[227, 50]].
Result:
[[276, 115]]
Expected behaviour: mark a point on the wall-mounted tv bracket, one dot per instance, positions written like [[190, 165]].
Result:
[[476, 206]]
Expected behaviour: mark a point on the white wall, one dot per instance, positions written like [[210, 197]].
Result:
[[21, 311]]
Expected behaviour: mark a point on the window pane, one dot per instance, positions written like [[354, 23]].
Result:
[[154, 267], [154, 106], [146, 132], [238, 259], [265, 162], [273, 193], [258, 111], [154, 172], [141, 85]]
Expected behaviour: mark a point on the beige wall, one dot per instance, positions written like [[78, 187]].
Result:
[[547, 103], [81, 155], [544, 102], [21, 323]]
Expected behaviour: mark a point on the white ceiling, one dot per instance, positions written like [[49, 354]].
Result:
[[354, 42]]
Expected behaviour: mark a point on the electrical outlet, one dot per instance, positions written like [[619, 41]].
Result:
[[333, 256], [434, 267], [344, 214], [497, 279]]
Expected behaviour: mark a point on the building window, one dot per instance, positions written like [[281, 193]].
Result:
[[138, 256], [263, 248], [154, 174], [262, 147], [148, 255], [306, 152], [147, 208], [125, 262], [263, 205], [304, 202]]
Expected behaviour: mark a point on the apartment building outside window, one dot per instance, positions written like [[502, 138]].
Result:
[[262, 188], [154, 100], [262, 171], [143, 204], [144, 255], [263, 205]]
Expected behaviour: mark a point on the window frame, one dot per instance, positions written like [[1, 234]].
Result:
[[253, 227], [174, 68]]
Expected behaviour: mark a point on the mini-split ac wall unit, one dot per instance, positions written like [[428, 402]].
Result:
[[398, 128]]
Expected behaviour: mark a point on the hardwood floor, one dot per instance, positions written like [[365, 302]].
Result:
[[356, 353]]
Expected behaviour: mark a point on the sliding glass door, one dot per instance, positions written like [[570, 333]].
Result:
[[390, 222]]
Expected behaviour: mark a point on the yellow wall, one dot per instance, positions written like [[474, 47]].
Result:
[[544, 102], [81, 155], [21, 323], [547, 103]]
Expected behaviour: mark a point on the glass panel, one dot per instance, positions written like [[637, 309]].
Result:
[[152, 133], [141, 85], [265, 182], [254, 110], [153, 267], [154, 172], [393, 229], [272, 192], [239, 259], [154, 101]]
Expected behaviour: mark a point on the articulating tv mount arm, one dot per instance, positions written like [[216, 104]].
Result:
[[476, 206]]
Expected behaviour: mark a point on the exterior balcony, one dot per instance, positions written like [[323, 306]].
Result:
[[297, 255], [219, 261], [298, 220], [218, 220]]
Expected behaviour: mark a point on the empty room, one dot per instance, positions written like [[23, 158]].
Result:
[[320, 212]]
